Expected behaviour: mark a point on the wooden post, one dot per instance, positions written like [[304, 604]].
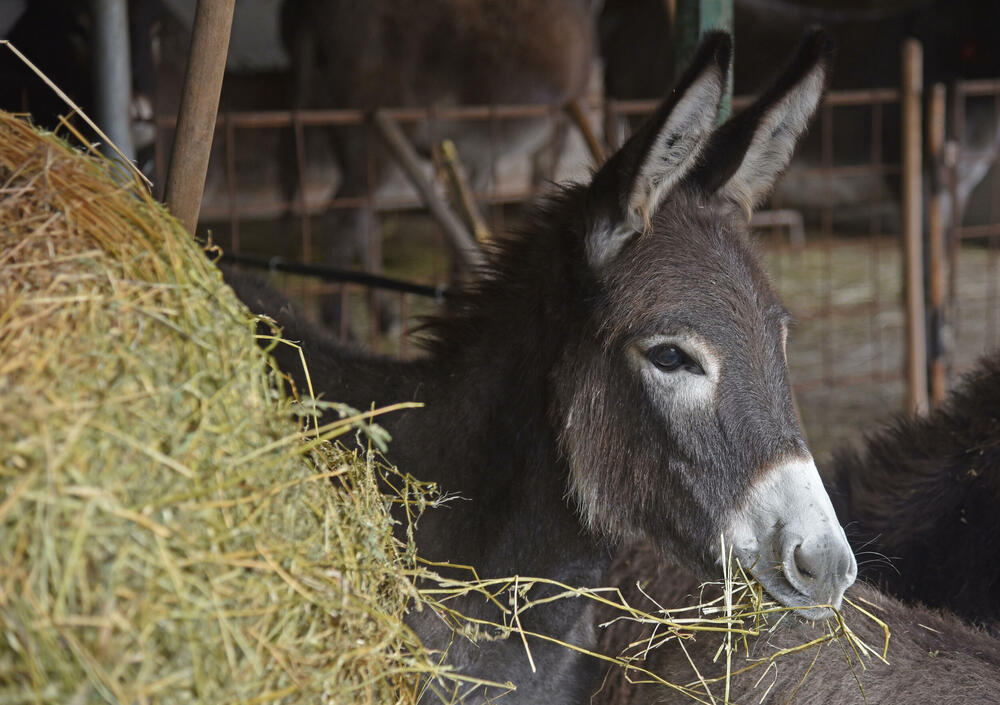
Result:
[[468, 253], [936, 257], [913, 261], [462, 193], [693, 19], [213, 21]]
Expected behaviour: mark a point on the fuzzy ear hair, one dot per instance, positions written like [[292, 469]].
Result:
[[661, 153], [747, 154]]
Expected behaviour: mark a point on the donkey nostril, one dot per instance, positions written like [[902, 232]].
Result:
[[850, 572], [802, 565]]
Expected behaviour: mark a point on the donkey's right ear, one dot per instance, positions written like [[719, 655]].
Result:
[[747, 154], [627, 190]]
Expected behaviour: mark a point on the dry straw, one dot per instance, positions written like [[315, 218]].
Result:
[[737, 612], [169, 533], [174, 528]]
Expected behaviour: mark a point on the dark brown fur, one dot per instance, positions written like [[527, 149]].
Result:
[[535, 413], [920, 502], [375, 53], [934, 658]]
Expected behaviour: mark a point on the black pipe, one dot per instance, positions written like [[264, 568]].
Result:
[[278, 264]]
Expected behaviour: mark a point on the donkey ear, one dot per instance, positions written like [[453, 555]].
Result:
[[627, 190], [747, 154]]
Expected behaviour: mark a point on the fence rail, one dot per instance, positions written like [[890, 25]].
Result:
[[843, 280]]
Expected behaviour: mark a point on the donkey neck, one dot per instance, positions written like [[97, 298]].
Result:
[[486, 432]]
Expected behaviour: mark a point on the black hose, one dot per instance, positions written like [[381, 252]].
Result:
[[278, 264]]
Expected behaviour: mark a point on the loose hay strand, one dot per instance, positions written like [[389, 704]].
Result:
[[135, 172], [747, 613]]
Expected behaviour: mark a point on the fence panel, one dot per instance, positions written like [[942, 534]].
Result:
[[832, 241], [972, 325]]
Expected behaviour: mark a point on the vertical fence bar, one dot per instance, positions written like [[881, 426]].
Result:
[[913, 272], [954, 147], [230, 152], [496, 212], [828, 336], [372, 234], [112, 71], [936, 107], [302, 170], [611, 124], [404, 317], [878, 366], [993, 261]]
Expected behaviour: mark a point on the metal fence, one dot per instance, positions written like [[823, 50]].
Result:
[[831, 238], [245, 218], [844, 284], [972, 321]]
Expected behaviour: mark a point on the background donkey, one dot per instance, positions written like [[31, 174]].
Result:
[[933, 656], [396, 53], [920, 502], [620, 364]]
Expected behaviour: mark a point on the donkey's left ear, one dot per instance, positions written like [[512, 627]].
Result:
[[631, 185], [746, 155]]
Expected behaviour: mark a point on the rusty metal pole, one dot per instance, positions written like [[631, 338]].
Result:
[[213, 21], [913, 261], [936, 257]]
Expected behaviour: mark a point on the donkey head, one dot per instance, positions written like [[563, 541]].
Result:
[[674, 403]]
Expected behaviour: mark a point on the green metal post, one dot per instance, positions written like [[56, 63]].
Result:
[[693, 18]]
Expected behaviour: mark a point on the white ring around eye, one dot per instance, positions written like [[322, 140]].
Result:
[[678, 389], [693, 346]]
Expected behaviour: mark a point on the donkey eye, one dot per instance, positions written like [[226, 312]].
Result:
[[669, 358]]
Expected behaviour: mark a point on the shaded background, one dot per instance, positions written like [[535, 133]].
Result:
[[298, 172]]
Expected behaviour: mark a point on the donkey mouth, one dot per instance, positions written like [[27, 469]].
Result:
[[791, 591], [787, 536]]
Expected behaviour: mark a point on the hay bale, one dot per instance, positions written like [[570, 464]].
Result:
[[168, 531]]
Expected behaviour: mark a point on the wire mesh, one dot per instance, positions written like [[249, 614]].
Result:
[[973, 324], [841, 275]]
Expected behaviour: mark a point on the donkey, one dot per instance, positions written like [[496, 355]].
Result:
[[368, 54], [619, 368], [933, 656], [921, 497]]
